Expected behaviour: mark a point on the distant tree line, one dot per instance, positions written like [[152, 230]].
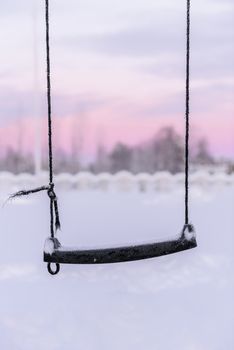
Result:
[[16, 162], [163, 152]]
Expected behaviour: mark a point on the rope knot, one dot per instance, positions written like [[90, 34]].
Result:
[[54, 206], [51, 192]]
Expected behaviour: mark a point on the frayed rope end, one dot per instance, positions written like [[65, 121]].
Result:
[[27, 192]]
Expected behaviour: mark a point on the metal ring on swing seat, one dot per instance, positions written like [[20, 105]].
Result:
[[53, 272]]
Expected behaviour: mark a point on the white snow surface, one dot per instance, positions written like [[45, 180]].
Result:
[[178, 302]]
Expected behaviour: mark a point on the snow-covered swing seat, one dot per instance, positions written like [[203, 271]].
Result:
[[55, 253]]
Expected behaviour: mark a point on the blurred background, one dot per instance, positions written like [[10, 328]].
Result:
[[118, 86], [118, 104]]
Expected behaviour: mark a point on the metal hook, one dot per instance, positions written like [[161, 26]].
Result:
[[53, 272]]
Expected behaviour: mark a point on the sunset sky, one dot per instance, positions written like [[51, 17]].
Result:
[[118, 70]]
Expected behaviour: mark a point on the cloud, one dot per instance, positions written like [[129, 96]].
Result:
[[16, 104], [163, 41], [218, 65], [157, 35], [136, 41]]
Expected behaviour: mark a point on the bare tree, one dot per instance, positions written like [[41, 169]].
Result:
[[166, 151], [202, 153], [120, 158], [102, 161], [77, 140]]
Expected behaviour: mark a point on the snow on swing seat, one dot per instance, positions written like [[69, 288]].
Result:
[[55, 253]]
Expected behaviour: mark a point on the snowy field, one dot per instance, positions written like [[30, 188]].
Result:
[[179, 302]]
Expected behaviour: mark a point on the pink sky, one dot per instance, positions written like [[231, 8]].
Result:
[[117, 74], [107, 131]]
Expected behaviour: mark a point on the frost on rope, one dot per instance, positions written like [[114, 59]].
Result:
[[189, 232], [50, 245]]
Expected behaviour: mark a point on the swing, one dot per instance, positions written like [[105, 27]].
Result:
[[55, 253]]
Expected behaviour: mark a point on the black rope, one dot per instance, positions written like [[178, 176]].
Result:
[[49, 91], [187, 115], [53, 199], [27, 192], [54, 212]]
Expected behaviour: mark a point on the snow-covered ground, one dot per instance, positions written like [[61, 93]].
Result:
[[179, 302]]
